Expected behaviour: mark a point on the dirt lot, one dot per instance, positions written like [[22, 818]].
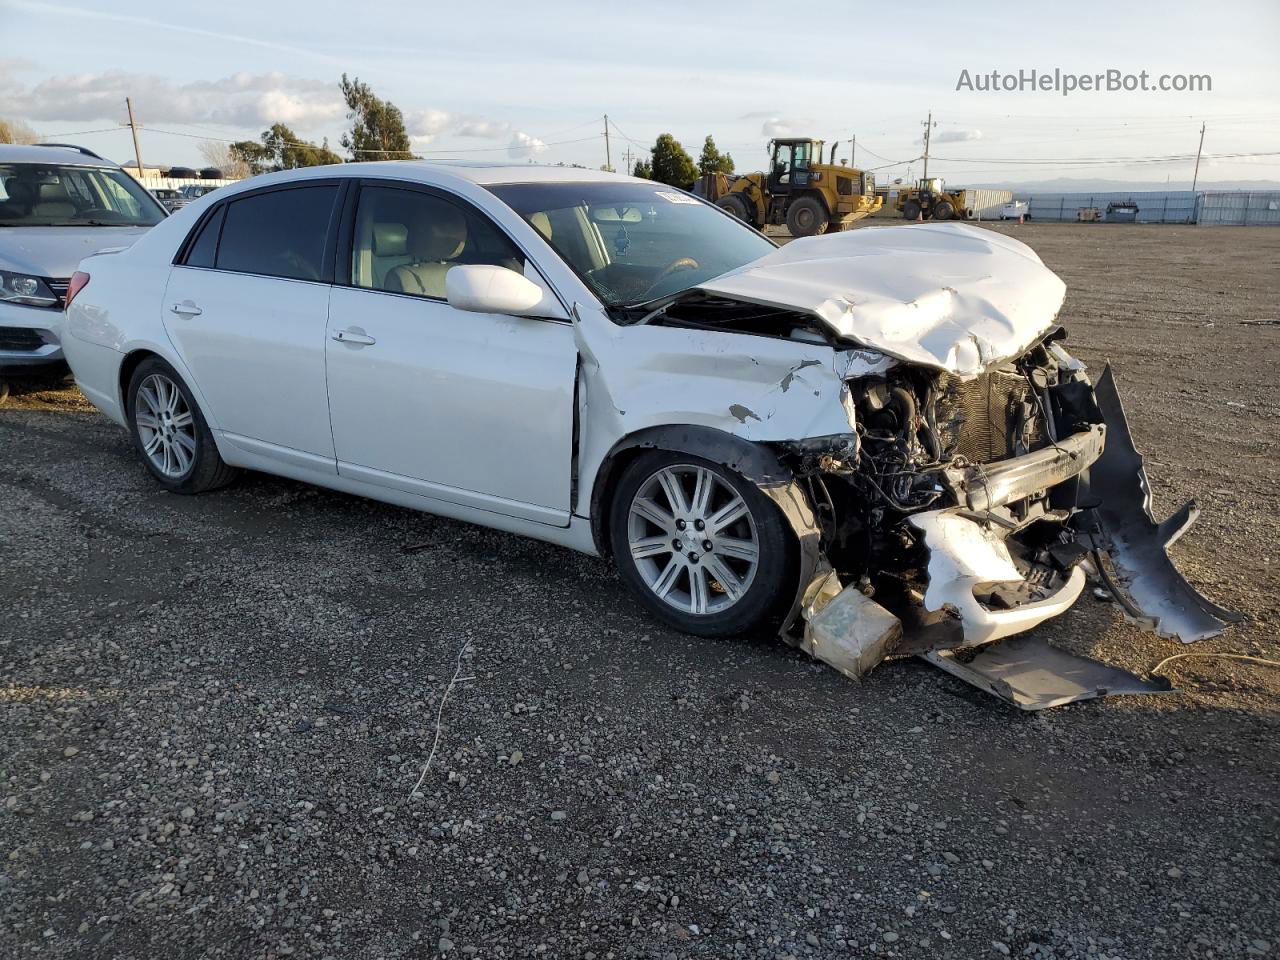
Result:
[[214, 710]]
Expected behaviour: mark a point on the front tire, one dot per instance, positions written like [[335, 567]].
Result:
[[701, 547], [735, 204], [944, 210], [169, 432], [911, 210], [807, 217]]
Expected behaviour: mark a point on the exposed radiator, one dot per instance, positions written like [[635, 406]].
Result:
[[988, 418]]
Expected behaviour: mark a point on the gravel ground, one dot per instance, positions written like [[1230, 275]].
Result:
[[215, 708]]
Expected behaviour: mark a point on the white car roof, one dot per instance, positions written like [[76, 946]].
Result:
[[440, 173]]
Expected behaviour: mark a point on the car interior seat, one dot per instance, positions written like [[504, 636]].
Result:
[[54, 201], [390, 250], [435, 243]]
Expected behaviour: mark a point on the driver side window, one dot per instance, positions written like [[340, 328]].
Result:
[[407, 241]]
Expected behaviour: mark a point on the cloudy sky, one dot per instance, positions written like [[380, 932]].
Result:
[[510, 80]]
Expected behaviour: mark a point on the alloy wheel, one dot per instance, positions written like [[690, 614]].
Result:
[[166, 426], [693, 539]]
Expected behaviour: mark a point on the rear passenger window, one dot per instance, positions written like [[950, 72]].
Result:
[[205, 246], [278, 234]]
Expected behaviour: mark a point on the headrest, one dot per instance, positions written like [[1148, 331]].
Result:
[[390, 240], [542, 223], [52, 192], [441, 237], [19, 190]]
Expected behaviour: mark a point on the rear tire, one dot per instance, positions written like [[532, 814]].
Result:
[[736, 205], [911, 210], [743, 584], [807, 217], [169, 432], [943, 210]]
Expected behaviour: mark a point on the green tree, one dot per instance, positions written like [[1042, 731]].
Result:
[[281, 149], [643, 170], [712, 160], [291, 151], [256, 157], [377, 126], [671, 164]]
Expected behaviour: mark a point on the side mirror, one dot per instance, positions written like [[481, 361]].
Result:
[[482, 288]]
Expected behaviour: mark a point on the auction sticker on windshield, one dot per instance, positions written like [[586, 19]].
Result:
[[672, 197]]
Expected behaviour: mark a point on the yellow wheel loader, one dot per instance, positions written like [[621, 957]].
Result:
[[930, 200], [809, 196]]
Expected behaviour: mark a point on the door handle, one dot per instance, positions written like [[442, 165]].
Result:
[[350, 336], [186, 309]]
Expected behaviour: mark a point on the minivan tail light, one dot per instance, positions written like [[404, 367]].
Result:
[[79, 280]]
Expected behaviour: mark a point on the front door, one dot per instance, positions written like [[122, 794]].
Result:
[[474, 409], [246, 308]]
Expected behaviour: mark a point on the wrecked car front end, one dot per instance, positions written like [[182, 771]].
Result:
[[952, 476]]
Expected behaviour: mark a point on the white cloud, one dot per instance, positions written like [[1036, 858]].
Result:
[[523, 145], [775, 126], [241, 100], [425, 125], [954, 136], [473, 126]]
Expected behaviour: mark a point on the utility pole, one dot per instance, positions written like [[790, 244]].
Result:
[[133, 128], [626, 160], [608, 160], [853, 150], [928, 127], [1196, 176]]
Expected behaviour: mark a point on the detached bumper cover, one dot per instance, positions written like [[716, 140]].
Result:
[[1143, 579]]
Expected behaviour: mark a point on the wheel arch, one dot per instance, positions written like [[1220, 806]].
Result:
[[136, 353], [754, 461]]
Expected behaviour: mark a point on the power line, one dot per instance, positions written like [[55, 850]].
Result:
[[1102, 161], [78, 133]]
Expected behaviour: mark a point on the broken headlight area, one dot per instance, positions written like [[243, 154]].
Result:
[[960, 513]]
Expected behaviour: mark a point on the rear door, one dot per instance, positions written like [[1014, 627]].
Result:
[[246, 306]]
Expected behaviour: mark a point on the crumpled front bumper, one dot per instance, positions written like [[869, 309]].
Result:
[[1110, 533]]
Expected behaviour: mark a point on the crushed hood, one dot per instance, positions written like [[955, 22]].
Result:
[[949, 296]]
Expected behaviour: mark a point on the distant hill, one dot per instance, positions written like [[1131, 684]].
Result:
[[1081, 185]]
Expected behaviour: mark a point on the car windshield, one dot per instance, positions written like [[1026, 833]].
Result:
[[634, 242], [54, 195]]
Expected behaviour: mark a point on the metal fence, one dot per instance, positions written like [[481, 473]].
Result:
[[176, 183], [1211, 207], [1240, 208], [1178, 206]]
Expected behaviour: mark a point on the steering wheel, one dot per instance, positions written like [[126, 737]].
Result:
[[679, 263]]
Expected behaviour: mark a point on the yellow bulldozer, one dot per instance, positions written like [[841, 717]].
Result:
[[799, 189]]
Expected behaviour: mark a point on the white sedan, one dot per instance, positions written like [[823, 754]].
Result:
[[872, 442]]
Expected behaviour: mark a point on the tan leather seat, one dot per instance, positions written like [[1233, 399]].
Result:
[[390, 250], [542, 223], [54, 201], [434, 244]]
